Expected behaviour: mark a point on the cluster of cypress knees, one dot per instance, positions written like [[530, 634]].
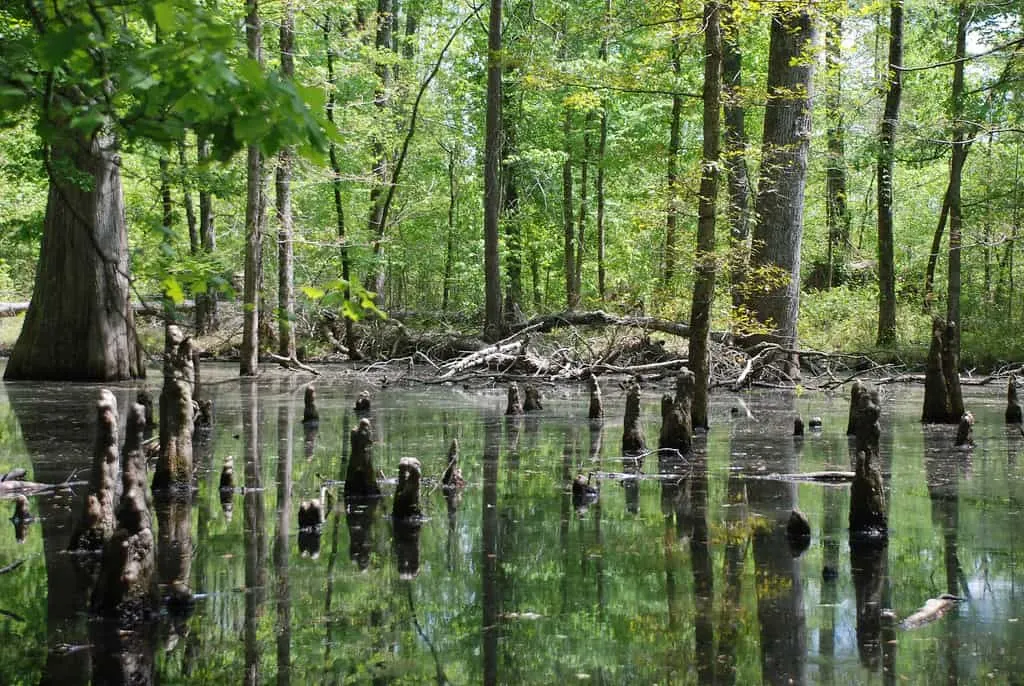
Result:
[[115, 530]]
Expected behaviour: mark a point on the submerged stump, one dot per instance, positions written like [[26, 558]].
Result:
[[596, 410], [965, 431], [855, 390], [363, 403], [310, 414], [1013, 409], [407, 495], [452, 477], [174, 464], [676, 423], [127, 587], [313, 513], [98, 519], [633, 442], [361, 477], [868, 515], [532, 402], [515, 403]]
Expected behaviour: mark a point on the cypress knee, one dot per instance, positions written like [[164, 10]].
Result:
[[174, 465], [360, 477], [98, 519]]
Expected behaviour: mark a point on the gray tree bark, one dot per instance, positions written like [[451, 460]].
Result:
[[780, 193]]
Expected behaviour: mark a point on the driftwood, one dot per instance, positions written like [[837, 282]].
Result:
[[933, 609], [292, 363], [550, 322]]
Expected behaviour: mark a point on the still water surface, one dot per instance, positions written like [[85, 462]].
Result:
[[660, 581]]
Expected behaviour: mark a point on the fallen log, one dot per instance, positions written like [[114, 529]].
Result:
[[499, 350], [933, 609], [549, 322], [11, 489]]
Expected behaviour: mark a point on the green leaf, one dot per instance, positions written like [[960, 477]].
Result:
[[164, 14], [312, 292], [173, 290]]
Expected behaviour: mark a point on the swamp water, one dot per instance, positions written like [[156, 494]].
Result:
[[659, 581]]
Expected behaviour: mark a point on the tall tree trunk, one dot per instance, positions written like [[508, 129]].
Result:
[[351, 343], [79, 325], [449, 248], [378, 193], [492, 177], [206, 300], [186, 201], [572, 298], [581, 219], [735, 158], [249, 353], [951, 361], [510, 198], [704, 281], [285, 253], [780, 193], [836, 214], [933, 255], [672, 220], [886, 156], [602, 147]]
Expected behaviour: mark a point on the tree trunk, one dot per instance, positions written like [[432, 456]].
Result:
[[572, 298], [836, 214], [449, 248], [704, 281], [378, 193], [492, 177], [959, 157], [186, 200], [933, 255], [249, 353], [206, 300], [602, 146], [510, 199], [285, 253], [735, 161], [339, 208], [672, 220], [80, 325], [581, 219], [780, 194], [886, 156]]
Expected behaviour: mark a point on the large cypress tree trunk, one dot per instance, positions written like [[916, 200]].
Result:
[[780, 193], [80, 325], [602, 146], [886, 155], [378, 194], [704, 283]]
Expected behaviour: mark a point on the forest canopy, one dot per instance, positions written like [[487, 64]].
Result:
[[377, 113]]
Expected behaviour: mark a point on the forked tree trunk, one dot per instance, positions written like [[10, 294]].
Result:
[[79, 325]]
